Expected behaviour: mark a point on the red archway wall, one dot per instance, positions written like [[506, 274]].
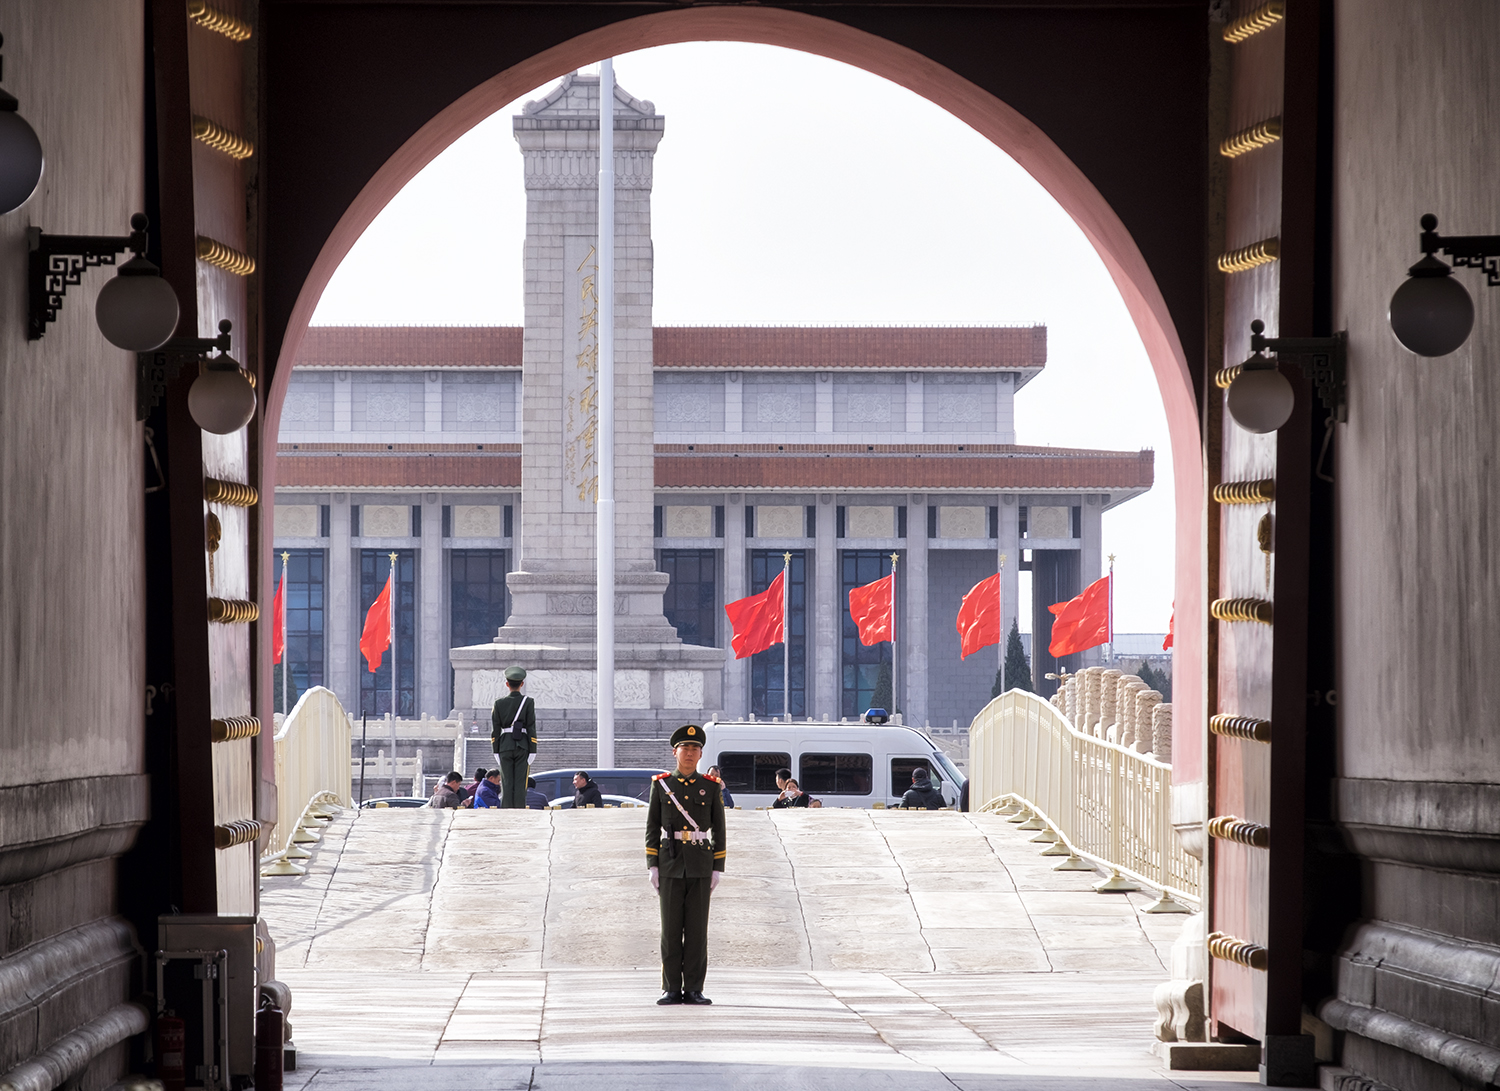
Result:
[[981, 110]]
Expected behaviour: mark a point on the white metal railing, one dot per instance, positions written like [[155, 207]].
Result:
[[312, 776], [1104, 801]]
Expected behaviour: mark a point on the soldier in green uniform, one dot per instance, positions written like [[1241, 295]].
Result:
[[685, 858], [513, 735]]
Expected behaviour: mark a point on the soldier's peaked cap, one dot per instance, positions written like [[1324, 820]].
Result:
[[688, 733], [515, 674]]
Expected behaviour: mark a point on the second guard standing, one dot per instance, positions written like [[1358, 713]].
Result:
[[513, 735], [685, 851]]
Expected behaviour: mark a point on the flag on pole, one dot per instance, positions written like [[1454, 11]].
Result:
[[1171, 629], [979, 617], [1081, 622], [757, 620], [376, 637], [871, 607], [278, 619]]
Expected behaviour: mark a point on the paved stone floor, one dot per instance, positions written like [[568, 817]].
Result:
[[847, 948]]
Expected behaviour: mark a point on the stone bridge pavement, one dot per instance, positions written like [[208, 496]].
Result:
[[847, 948]]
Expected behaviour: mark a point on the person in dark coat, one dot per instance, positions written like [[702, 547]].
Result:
[[922, 795], [713, 771], [488, 793], [536, 799], [513, 736], [685, 852], [585, 792], [792, 795], [450, 793]]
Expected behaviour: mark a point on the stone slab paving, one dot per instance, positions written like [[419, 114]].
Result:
[[847, 948]]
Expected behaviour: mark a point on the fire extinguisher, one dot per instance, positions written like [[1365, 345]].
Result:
[[270, 1036], [171, 1044]]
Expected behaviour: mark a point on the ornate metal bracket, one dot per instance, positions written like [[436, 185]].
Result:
[[1467, 251], [155, 369], [1323, 361], [57, 262]]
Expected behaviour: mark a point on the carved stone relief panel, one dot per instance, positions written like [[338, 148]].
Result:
[[476, 521], [869, 521], [963, 522], [688, 521], [779, 521], [385, 521]]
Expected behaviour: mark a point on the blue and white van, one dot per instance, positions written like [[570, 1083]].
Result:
[[844, 765]]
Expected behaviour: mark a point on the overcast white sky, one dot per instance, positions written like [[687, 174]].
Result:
[[791, 189]]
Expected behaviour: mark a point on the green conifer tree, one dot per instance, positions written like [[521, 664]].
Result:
[[882, 697], [1017, 669]]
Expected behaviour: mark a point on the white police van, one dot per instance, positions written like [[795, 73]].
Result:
[[844, 765]]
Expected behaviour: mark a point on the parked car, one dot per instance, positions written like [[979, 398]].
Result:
[[629, 783], [395, 801], [844, 765], [565, 803]]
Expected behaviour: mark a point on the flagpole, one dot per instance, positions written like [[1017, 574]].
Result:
[[391, 605], [604, 611], [786, 637], [1000, 606], [1111, 608], [284, 649], [894, 558]]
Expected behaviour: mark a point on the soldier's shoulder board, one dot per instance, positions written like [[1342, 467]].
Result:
[[660, 776], [717, 780]]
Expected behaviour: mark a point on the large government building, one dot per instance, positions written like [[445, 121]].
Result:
[[458, 449]]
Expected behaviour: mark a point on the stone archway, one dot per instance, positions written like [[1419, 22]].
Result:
[[1032, 148]]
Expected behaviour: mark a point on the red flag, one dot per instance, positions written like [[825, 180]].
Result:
[[871, 607], [1082, 622], [377, 635], [278, 620], [979, 617], [1171, 628], [757, 620]]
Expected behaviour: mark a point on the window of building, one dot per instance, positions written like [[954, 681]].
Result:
[[476, 599], [766, 697], [752, 772], [375, 689], [837, 774], [864, 666], [306, 571], [901, 771], [691, 602]]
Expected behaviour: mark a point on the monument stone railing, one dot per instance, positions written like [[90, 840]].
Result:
[[1102, 800], [312, 777]]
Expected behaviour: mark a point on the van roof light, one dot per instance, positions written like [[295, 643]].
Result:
[[877, 716]]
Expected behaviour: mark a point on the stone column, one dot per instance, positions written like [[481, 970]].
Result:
[[1091, 553], [736, 671], [551, 628], [342, 614], [825, 596], [734, 402], [1008, 543], [432, 630], [915, 414], [914, 640], [823, 402]]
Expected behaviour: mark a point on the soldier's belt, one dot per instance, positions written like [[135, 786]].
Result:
[[690, 835]]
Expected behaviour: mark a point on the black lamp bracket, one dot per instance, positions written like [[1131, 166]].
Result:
[[1467, 251], [1322, 359], [155, 369], [57, 261]]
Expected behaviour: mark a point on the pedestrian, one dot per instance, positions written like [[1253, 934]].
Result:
[[792, 795], [713, 771], [513, 735], [488, 793], [585, 792], [922, 795], [685, 851], [449, 793], [536, 799]]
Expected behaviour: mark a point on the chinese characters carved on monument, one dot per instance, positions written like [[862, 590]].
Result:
[[580, 388]]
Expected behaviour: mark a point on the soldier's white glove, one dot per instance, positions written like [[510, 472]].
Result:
[[655, 876], [530, 758], [713, 881]]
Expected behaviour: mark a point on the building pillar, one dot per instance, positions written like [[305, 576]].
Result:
[[825, 597], [913, 664], [915, 412], [1091, 555], [432, 416], [823, 402], [1009, 546], [734, 402], [342, 619], [432, 639], [343, 402], [736, 671]]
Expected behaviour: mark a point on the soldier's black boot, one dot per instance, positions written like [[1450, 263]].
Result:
[[695, 998], [671, 996]]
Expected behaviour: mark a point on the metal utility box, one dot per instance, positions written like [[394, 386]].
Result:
[[206, 973]]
